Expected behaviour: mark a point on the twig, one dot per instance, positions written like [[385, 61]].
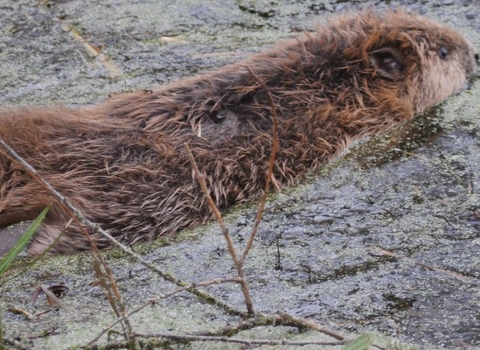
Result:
[[226, 235], [281, 318], [427, 266], [260, 320], [113, 345], [239, 263], [23, 312], [186, 337], [271, 164], [309, 324], [164, 296]]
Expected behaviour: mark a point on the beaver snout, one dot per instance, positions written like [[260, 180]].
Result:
[[472, 68], [476, 56]]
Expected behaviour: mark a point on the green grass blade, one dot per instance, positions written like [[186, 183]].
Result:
[[22, 242], [364, 341], [361, 342]]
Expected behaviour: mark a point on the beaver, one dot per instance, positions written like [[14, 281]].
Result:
[[123, 162]]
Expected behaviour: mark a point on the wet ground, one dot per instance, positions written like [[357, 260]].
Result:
[[324, 249]]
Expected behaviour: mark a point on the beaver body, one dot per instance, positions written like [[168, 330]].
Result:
[[123, 162]]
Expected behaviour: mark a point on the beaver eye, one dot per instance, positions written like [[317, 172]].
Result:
[[443, 53]]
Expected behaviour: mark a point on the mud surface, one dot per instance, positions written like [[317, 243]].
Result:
[[323, 249]]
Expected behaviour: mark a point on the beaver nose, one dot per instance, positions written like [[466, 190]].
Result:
[[472, 68]]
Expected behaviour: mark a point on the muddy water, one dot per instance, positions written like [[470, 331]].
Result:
[[318, 250]]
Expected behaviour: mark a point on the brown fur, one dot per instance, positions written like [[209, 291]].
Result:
[[123, 162]]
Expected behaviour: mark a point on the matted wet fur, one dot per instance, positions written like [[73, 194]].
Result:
[[123, 162]]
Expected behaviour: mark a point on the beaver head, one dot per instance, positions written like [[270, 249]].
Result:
[[427, 60]]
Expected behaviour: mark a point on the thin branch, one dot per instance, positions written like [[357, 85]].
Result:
[[226, 235], [186, 337], [271, 164], [302, 322], [448, 273]]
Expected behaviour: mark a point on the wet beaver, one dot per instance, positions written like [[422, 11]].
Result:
[[123, 162]]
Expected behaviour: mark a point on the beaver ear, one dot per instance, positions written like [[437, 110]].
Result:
[[388, 62]]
